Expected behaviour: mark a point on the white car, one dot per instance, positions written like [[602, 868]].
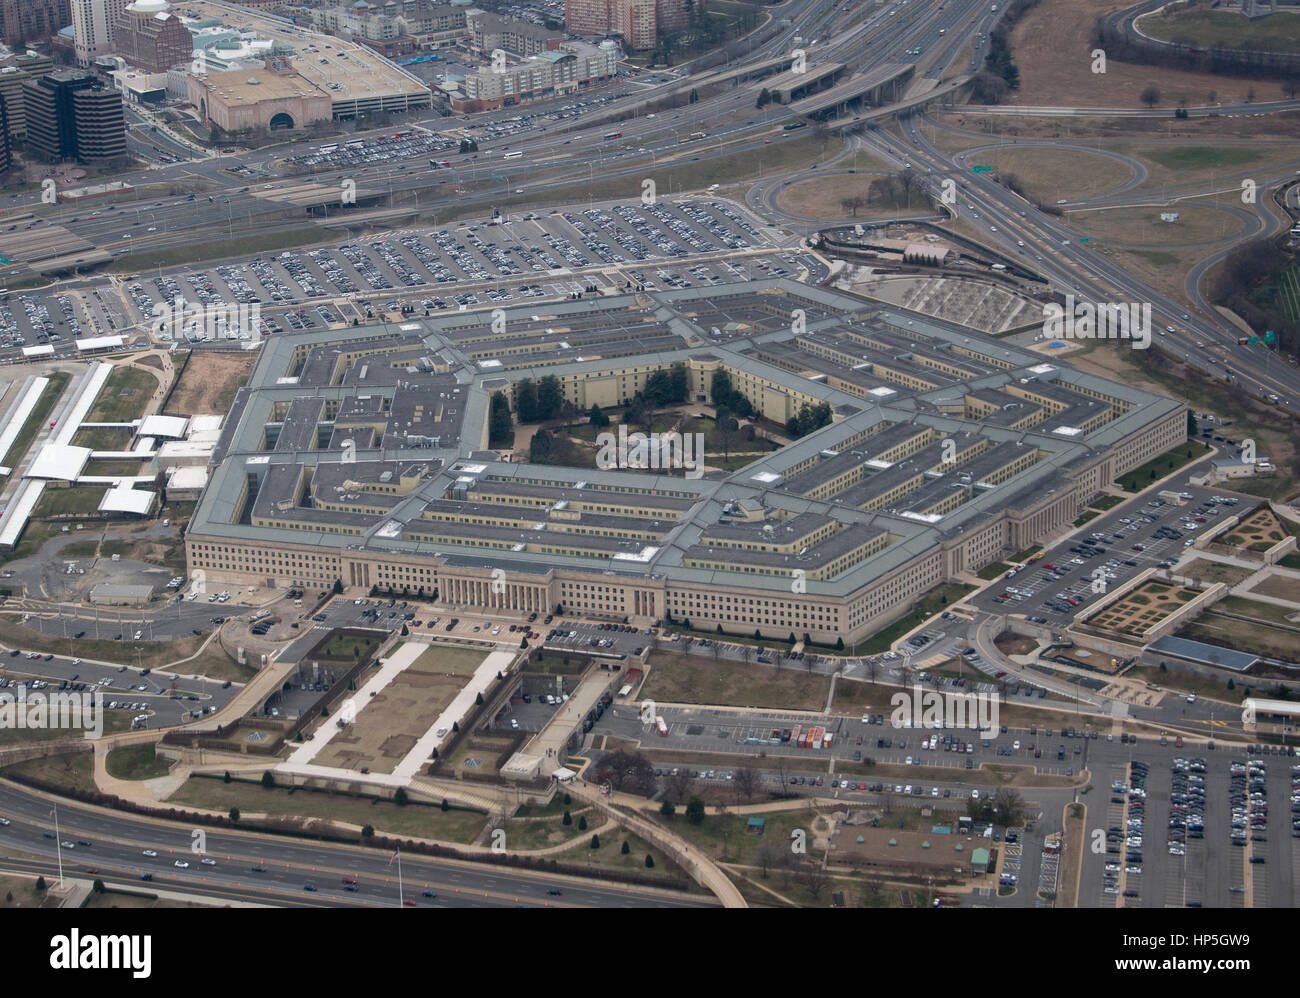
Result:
[[1191, 698], [180, 864], [150, 853], [974, 795], [1016, 745], [208, 861]]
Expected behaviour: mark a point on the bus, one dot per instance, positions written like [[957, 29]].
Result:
[[614, 135], [513, 155], [440, 164], [796, 124], [326, 150], [698, 135]]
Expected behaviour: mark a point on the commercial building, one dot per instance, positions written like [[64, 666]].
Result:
[[71, 116], [151, 37], [269, 97], [354, 79], [12, 74], [361, 455], [6, 147]]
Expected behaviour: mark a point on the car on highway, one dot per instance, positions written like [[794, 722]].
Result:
[[150, 853]]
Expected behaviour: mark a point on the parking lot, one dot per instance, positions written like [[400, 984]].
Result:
[[36, 319], [494, 261], [1106, 552], [167, 698], [1190, 828]]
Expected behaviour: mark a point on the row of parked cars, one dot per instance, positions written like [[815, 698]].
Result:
[[1248, 796]]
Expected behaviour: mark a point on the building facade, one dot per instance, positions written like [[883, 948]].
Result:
[[151, 37], [23, 21], [70, 115], [94, 23]]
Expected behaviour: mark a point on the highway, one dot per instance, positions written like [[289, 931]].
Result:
[[113, 844]]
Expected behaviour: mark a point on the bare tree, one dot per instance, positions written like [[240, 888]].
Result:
[[1150, 96], [678, 784], [746, 780], [1008, 808], [769, 855], [814, 879]]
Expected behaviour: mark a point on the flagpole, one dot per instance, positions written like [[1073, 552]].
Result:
[[58, 844]]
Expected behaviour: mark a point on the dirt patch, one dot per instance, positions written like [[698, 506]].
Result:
[[1051, 174], [1278, 586], [1014, 644], [1205, 571], [388, 727], [209, 382], [823, 197], [1196, 225]]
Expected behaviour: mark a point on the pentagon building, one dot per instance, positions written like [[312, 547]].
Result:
[[360, 455]]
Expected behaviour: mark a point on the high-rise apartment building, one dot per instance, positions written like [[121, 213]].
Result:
[[639, 22], [23, 21], [94, 23]]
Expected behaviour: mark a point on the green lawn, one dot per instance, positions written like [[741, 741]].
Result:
[[1201, 157], [135, 762], [1158, 467], [423, 820], [993, 570], [114, 721], [347, 647], [699, 679], [103, 438], [73, 772], [1106, 502], [124, 396], [77, 499], [1224, 27]]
